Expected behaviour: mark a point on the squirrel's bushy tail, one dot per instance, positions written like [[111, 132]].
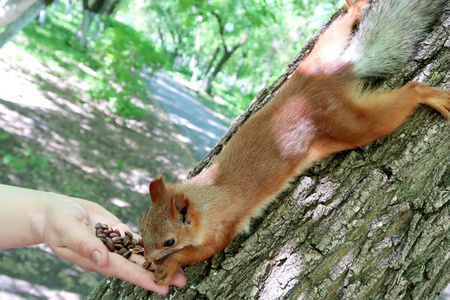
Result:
[[388, 34]]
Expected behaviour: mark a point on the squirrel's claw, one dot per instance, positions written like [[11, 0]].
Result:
[[165, 271]]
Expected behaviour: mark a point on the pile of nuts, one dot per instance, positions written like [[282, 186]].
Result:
[[122, 245]]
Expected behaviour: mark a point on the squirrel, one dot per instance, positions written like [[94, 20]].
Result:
[[323, 108]]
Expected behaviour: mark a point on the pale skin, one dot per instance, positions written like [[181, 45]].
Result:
[[66, 225]]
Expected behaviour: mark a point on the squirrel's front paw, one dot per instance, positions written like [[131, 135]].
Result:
[[165, 271]]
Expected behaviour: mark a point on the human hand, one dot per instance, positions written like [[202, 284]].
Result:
[[69, 232]]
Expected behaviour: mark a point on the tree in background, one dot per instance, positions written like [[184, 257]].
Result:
[[214, 41], [228, 50], [12, 9], [17, 14], [91, 10]]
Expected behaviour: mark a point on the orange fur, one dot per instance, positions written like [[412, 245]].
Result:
[[320, 110]]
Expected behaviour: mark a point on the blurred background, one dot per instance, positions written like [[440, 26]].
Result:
[[97, 97]]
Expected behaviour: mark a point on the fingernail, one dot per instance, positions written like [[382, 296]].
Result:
[[97, 257]]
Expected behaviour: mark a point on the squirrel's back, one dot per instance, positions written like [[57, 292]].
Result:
[[388, 35]]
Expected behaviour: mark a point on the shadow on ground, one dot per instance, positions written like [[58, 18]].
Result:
[[201, 129], [52, 139]]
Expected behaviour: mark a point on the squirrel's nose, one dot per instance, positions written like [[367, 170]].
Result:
[[148, 257]]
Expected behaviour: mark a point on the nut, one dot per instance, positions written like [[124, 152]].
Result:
[[109, 244], [122, 250], [101, 236], [117, 239], [127, 254], [146, 265], [124, 245]]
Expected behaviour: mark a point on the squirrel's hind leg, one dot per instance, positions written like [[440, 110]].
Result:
[[437, 99], [336, 37], [365, 118], [384, 111]]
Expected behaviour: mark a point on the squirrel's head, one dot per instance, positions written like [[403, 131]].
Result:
[[169, 224]]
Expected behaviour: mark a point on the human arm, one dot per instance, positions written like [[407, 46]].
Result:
[[66, 224]]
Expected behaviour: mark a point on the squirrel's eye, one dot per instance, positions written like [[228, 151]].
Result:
[[169, 243]]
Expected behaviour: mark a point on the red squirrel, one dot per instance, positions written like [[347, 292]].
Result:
[[323, 108]]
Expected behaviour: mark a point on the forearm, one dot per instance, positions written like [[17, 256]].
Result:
[[66, 224], [22, 215]]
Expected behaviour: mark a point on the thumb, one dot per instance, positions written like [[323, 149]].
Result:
[[80, 239]]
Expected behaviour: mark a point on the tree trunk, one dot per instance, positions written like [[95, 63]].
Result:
[[68, 11], [19, 23], [111, 7], [208, 85], [89, 14], [98, 27], [194, 64], [12, 9], [82, 33], [235, 75], [42, 17], [53, 7], [210, 64], [161, 37], [226, 56], [368, 223]]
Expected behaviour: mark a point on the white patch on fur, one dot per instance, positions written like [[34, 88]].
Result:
[[295, 142]]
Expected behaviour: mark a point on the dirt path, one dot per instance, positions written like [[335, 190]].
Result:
[[52, 139], [201, 130]]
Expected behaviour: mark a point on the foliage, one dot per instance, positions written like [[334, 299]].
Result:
[[117, 58], [123, 53], [25, 158], [191, 32], [186, 37]]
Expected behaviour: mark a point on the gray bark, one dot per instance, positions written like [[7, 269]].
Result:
[[82, 32], [371, 223], [194, 65], [12, 9], [19, 23], [89, 14]]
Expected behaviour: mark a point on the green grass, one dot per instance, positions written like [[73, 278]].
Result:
[[116, 58], [53, 43], [236, 102]]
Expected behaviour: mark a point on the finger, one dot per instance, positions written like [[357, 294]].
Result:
[[118, 267], [139, 259], [179, 279], [82, 240], [75, 258], [121, 268]]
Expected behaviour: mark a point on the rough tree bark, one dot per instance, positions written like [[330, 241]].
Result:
[[371, 223], [12, 9], [20, 22]]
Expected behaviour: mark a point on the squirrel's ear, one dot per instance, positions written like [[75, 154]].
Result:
[[180, 206], [156, 188]]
